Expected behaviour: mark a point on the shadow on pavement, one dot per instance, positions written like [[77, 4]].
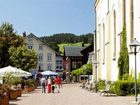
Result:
[[112, 95], [13, 104], [15, 100]]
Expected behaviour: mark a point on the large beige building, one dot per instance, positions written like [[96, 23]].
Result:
[[46, 55], [111, 16]]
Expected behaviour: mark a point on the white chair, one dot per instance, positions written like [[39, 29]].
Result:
[[106, 91]]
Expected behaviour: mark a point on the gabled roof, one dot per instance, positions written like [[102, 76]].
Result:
[[32, 35], [73, 50], [87, 49]]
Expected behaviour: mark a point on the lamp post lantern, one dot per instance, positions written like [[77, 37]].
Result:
[[133, 47]]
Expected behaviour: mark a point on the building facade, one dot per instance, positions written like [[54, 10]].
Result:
[[73, 59], [46, 56], [111, 17], [59, 63]]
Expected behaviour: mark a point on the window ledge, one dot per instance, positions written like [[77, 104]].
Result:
[[114, 58], [108, 12]]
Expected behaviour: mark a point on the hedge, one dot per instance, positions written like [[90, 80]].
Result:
[[123, 88], [101, 84]]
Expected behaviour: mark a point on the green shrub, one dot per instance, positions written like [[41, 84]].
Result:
[[30, 82], [127, 77], [139, 77], [16, 81], [101, 84], [10, 79], [123, 61], [123, 88], [112, 88]]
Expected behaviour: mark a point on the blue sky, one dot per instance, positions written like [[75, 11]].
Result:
[[48, 17]]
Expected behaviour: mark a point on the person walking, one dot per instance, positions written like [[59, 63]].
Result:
[[53, 86], [43, 84], [49, 84], [58, 83]]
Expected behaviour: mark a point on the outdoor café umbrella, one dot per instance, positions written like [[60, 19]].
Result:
[[14, 71], [24, 73], [49, 73]]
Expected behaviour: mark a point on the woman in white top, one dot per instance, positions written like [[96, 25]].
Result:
[[49, 84]]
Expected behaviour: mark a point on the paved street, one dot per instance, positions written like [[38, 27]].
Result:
[[71, 94]]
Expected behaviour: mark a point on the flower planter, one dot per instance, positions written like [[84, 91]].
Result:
[[13, 95], [19, 93], [27, 89], [33, 88], [4, 101]]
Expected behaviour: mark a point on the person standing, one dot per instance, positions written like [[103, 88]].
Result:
[[43, 84], [49, 84], [22, 83]]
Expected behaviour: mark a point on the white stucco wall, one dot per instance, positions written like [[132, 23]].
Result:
[[136, 34], [103, 15], [36, 42]]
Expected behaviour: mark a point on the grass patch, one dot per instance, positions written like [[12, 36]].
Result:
[[61, 46]]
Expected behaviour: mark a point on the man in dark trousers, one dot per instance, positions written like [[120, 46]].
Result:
[[43, 84]]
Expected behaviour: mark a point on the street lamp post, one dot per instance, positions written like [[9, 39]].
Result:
[[133, 47], [96, 63], [84, 71]]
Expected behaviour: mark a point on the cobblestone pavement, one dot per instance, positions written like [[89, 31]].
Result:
[[70, 94]]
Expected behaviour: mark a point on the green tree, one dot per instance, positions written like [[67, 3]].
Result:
[[23, 58], [13, 51], [54, 46], [123, 61], [8, 38], [85, 69]]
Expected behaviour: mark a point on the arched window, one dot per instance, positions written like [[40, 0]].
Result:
[[123, 13], [131, 21], [114, 55], [103, 43]]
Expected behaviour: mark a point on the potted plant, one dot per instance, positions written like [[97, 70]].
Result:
[[13, 94], [4, 96], [30, 85], [10, 85]]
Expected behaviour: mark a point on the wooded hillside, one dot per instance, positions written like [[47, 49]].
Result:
[[65, 38]]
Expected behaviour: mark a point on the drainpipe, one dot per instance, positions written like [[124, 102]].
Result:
[[95, 51]]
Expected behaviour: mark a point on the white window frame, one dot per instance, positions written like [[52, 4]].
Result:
[[41, 66], [49, 66], [40, 57], [30, 46], [49, 57]]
